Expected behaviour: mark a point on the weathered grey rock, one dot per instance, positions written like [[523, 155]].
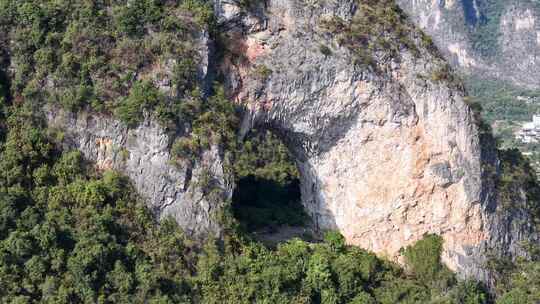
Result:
[[169, 188], [385, 157]]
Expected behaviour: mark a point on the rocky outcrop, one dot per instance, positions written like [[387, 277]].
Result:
[[509, 32], [520, 44], [446, 22], [192, 192], [386, 153], [170, 188]]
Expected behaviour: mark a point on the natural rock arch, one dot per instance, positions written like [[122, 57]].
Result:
[[386, 154]]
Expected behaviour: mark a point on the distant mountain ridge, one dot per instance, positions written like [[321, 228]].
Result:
[[491, 38]]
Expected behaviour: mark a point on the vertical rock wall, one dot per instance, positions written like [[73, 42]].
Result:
[[170, 188]]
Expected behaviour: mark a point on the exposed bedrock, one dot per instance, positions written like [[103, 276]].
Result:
[[168, 187], [386, 155]]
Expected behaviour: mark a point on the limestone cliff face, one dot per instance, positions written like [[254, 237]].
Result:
[[386, 154], [520, 43], [388, 151], [446, 22], [512, 38]]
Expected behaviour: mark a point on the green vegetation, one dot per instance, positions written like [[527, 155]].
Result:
[[504, 107], [517, 173], [424, 259], [91, 54], [445, 74], [211, 121], [68, 235], [268, 192], [3, 101], [503, 101], [523, 284], [262, 204], [263, 155], [249, 4], [325, 50], [485, 34], [378, 26], [71, 235], [262, 72], [142, 96]]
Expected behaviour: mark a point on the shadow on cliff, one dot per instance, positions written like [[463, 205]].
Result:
[[511, 199], [273, 213], [277, 194], [312, 199], [471, 12]]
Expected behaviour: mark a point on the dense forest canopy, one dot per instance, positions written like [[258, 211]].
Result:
[[98, 54]]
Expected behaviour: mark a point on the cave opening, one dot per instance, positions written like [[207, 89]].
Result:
[[267, 198]]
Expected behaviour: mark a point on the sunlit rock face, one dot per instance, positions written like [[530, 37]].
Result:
[[386, 155], [387, 152], [514, 36]]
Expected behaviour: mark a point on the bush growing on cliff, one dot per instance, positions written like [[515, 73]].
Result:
[[184, 75], [184, 148], [424, 261], [325, 50], [143, 96], [211, 122], [377, 27], [515, 176]]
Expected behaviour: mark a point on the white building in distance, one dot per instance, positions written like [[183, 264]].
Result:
[[530, 132]]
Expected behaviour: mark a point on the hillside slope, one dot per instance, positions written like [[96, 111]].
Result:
[[387, 147]]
